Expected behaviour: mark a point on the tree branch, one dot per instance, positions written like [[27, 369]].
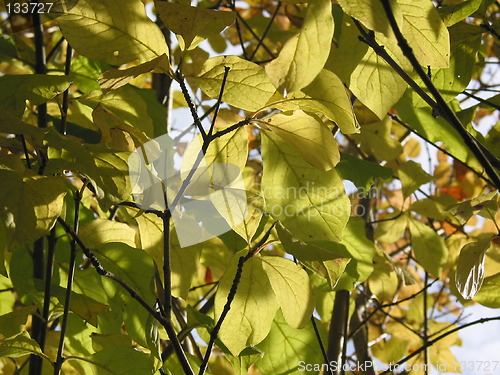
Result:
[[166, 323], [433, 341], [441, 105]]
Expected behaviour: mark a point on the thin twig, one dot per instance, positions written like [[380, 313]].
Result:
[[443, 150], [230, 298], [69, 286], [194, 114], [440, 337], [261, 39]]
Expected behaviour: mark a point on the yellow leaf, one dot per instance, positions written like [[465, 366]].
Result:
[[368, 76], [425, 32], [116, 32], [247, 85], [370, 12], [305, 54], [114, 79], [310, 203], [293, 291], [192, 24], [100, 231], [325, 95], [308, 135], [253, 308]]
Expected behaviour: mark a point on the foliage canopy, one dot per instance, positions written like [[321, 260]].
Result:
[[338, 183]]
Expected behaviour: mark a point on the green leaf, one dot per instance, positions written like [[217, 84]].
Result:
[[435, 207], [305, 54], [426, 33], [85, 307], [470, 267], [361, 172], [412, 176], [134, 266], [376, 139], [247, 85], [19, 346], [293, 291], [372, 81], [101, 30], [383, 281], [356, 246], [31, 206], [434, 129], [310, 203], [301, 250], [454, 13], [287, 349], [429, 248], [106, 169], [192, 24], [12, 322], [309, 135], [253, 308], [37, 88], [10, 124], [392, 228], [114, 79], [127, 103], [119, 360], [101, 231], [325, 95], [465, 41], [489, 294]]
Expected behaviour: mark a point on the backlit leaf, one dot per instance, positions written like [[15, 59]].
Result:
[[100, 231], [308, 135], [453, 13], [287, 348], [470, 267], [114, 79], [102, 30], [310, 203], [119, 360], [37, 88], [293, 291], [305, 54], [253, 308], [370, 14], [366, 74], [426, 33], [412, 176], [19, 346], [192, 24], [247, 85], [489, 294], [325, 95], [429, 248]]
